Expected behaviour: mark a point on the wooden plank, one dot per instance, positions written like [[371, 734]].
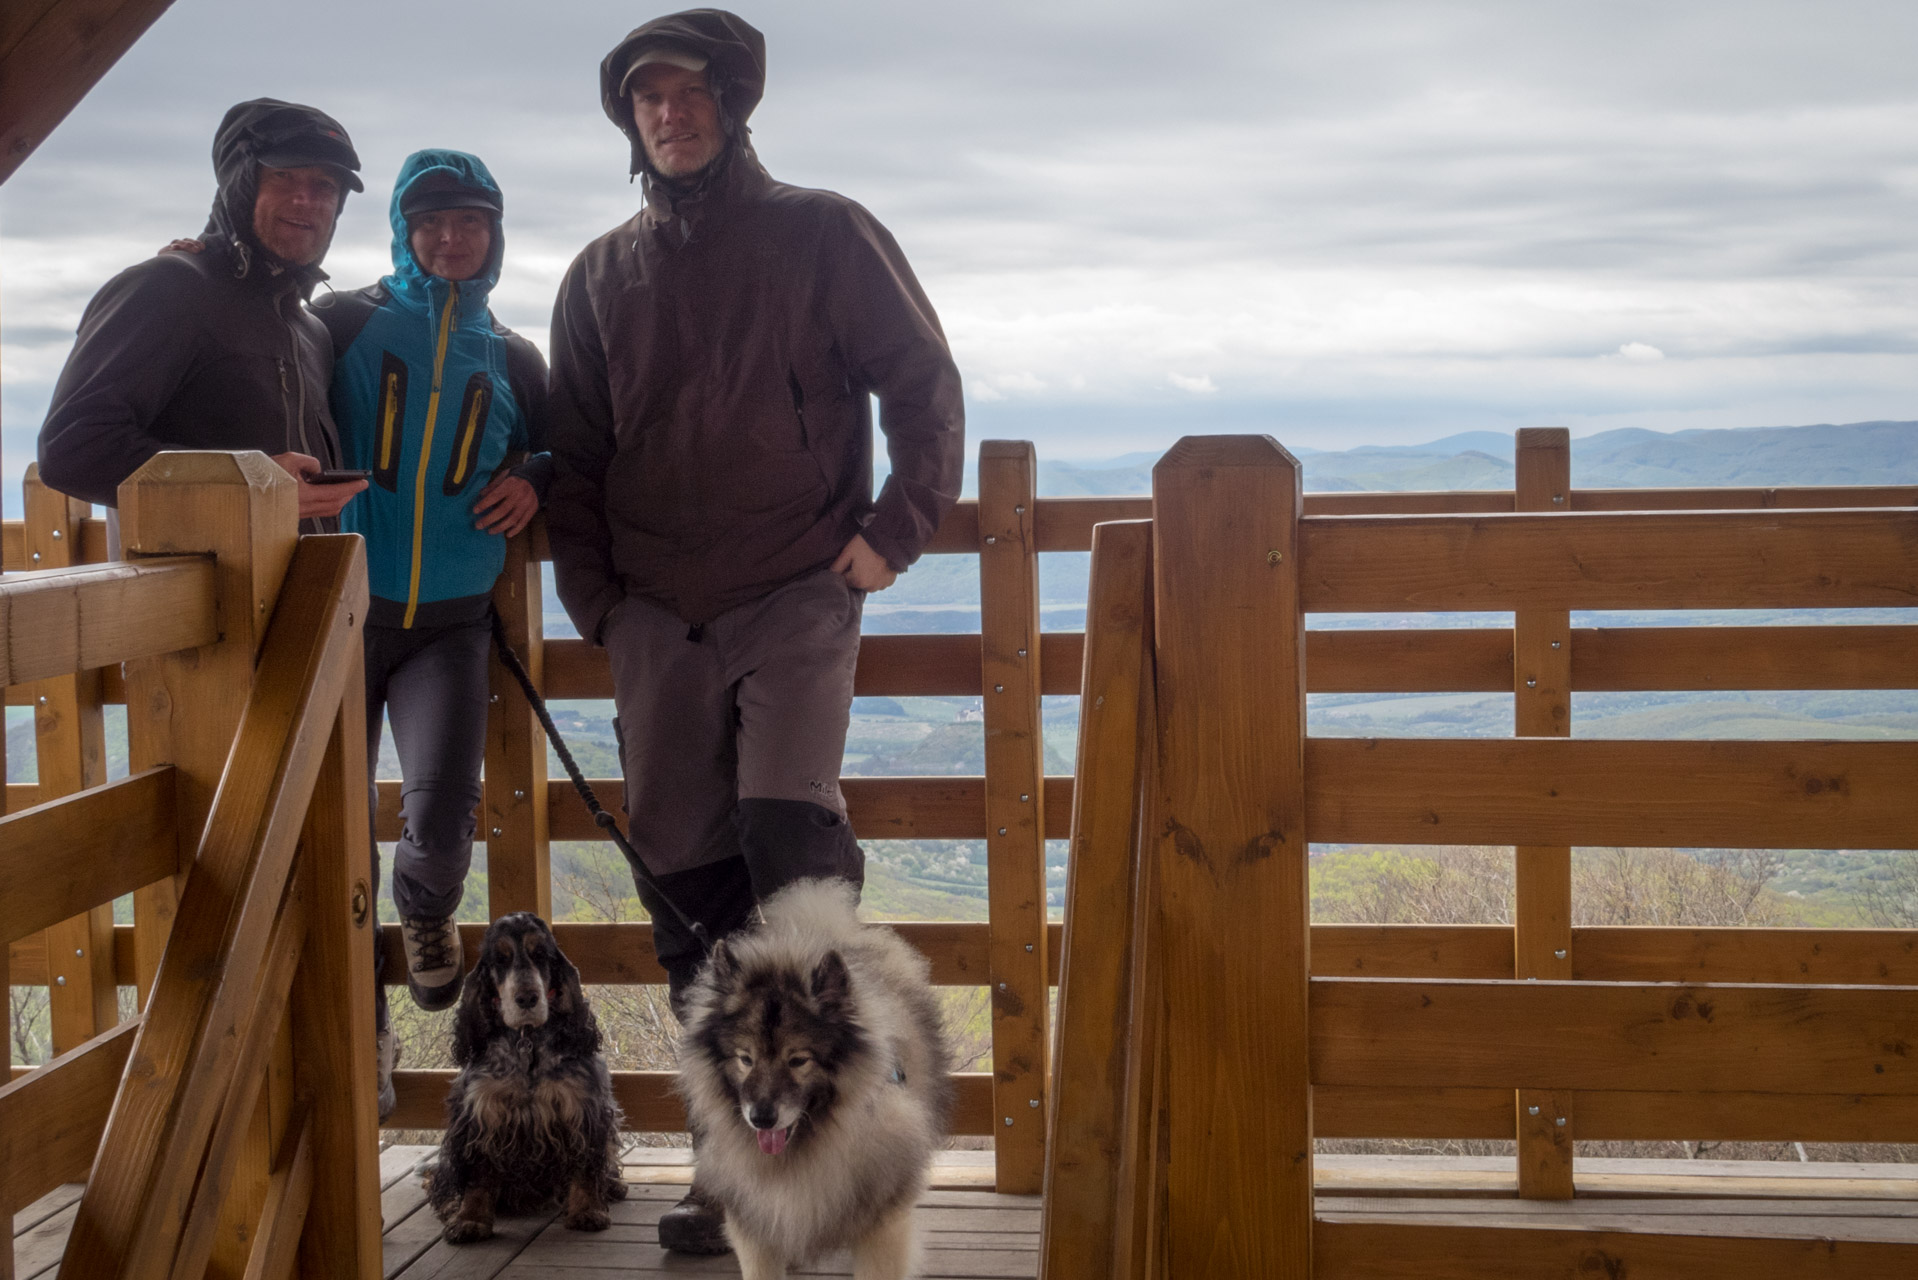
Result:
[[1730, 498], [1084, 1147], [50, 1121], [1615, 560], [65, 620], [137, 1198], [1847, 957], [276, 1248], [1140, 1233], [1626, 1116], [183, 709], [61, 858], [221, 1193], [652, 1106], [958, 533], [56, 61], [13, 544], [1459, 660], [1760, 795], [1232, 856], [1413, 502], [1067, 524], [70, 753], [1411, 950], [332, 1015], [1015, 808], [1364, 1111], [925, 807], [1404, 1251], [1589, 1035], [513, 809], [1542, 874], [1846, 657], [16, 20]]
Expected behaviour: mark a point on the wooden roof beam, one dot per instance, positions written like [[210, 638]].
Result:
[[52, 52]]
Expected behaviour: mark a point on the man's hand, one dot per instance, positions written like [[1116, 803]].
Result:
[[317, 501], [864, 568], [183, 246], [505, 506]]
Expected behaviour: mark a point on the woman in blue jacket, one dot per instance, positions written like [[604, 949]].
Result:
[[435, 397]]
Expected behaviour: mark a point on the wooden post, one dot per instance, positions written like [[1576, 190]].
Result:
[[1015, 810], [71, 754], [333, 1008], [1085, 1151], [513, 812], [1235, 912], [183, 708], [1542, 874]]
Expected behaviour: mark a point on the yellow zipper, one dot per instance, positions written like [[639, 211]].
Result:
[[426, 455], [392, 398], [466, 442]]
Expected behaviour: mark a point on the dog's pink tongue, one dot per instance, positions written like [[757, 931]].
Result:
[[771, 1141]]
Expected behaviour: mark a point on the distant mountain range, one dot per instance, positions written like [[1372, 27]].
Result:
[[1854, 453]]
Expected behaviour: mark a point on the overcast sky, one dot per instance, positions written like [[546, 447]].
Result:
[[1337, 223]]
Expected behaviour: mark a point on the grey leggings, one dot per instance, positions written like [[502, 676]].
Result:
[[432, 682]]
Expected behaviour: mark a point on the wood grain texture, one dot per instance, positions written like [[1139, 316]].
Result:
[[61, 858], [1232, 857], [1015, 809], [1735, 498], [137, 1199], [277, 1246], [1773, 657], [56, 60], [50, 1121], [1589, 1035], [183, 708], [1375, 1250], [332, 1014], [1617, 560], [1761, 795], [1846, 957], [513, 817], [1084, 1149], [651, 1106], [66, 620]]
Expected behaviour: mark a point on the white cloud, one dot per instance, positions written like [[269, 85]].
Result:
[[1199, 386], [1640, 352]]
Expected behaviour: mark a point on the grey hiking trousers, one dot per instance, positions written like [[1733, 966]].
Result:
[[731, 737]]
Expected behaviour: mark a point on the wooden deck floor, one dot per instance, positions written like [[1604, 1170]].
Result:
[[974, 1234]]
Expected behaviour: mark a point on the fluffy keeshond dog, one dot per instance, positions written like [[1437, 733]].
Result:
[[818, 1085]]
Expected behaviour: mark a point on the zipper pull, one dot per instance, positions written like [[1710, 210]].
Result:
[[280, 363]]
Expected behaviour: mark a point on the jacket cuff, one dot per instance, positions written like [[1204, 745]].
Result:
[[602, 608], [538, 472]]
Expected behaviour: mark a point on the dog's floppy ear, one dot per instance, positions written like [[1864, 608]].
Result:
[[478, 1018], [831, 983], [568, 999]]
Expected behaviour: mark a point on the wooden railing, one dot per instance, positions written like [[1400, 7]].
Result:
[[1209, 1032], [232, 1121], [1007, 528]]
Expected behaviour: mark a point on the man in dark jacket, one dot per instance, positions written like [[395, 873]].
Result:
[[712, 517], [216, 350]]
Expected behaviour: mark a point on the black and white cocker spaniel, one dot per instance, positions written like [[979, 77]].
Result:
[[530, 1117]]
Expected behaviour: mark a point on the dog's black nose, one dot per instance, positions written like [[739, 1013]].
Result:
[[526, 999], [763, 1115]]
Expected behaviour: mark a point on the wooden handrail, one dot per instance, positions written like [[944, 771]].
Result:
[[51, 1119], [59, 621], [146, 1179]]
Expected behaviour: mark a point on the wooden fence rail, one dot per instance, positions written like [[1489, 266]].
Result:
[[1277, 1032], [193, 1147]]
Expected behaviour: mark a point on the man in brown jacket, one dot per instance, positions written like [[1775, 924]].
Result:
[[714, 361]]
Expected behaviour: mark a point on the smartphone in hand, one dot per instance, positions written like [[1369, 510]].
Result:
[[336, 476]]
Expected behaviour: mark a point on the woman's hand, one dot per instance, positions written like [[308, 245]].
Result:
[[505, 506], [183, 246]]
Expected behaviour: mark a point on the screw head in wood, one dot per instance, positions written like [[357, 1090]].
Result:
[[1008, 1118], [1017, 511], [360, 901], [1531, 1111], [998, 688], [56, 535], [1002, 986], [1034, 1104], [990, 539], [1025, 799], [1274, 558], [36, 557], [43, 699], [519, 795], [61, 981], [1002, 830], [1022, 653], [1558, 497], [1531, 683], [1028, 947], [493, 698], [497, 833], [1560, 1122], [1559, 954]]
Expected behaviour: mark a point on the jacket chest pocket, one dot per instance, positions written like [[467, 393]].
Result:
[[389, 422], [475, 405]]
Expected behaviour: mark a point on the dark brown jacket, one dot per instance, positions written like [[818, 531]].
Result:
[[712, 365]]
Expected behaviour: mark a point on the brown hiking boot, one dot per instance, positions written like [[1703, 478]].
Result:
[[696, 1224], [433, 961]]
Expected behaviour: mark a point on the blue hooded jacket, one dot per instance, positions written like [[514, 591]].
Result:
[[431, 394]]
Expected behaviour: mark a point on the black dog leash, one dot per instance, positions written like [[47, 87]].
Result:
[[606, 821]]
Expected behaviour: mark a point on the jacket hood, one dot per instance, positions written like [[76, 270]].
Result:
[[735, 54], [409, 281], [250, 132]]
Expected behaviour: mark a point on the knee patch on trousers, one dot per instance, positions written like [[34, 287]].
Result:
[[788, 840]]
